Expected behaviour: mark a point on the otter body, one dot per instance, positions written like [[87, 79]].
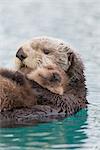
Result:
[[40, 53]]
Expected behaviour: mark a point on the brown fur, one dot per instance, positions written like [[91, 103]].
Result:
[[52, 78], [15, 91]]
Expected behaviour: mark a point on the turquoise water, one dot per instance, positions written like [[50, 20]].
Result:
[[68, 133], [80, 131], [77, 22]]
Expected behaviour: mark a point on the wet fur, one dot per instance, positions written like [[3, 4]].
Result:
[[51, 77], [15, 91], [16, 77]]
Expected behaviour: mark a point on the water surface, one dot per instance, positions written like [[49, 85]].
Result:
[[77, 22]]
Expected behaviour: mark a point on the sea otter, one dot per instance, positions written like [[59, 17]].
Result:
[[45, 51], [42, 52]]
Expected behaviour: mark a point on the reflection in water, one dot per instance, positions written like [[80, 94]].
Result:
[[69, 133]]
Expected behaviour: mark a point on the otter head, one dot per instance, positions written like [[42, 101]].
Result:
[[52, 78], [44, 51]]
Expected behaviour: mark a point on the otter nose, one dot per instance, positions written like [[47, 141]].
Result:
[[55, 77], [20, 54]]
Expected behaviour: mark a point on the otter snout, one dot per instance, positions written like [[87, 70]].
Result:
[[20, 54]]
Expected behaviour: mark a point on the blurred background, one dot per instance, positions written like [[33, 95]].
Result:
[[75, 21]]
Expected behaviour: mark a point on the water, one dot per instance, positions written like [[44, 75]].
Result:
[[77, 22], [69, 133]]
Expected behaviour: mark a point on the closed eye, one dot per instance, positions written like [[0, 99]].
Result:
[[46, 51]]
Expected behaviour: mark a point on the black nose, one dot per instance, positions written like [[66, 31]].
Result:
[[20, 54], [55, 77]]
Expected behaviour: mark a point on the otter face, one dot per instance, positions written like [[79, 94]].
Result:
[[50, 77], [41, 52]]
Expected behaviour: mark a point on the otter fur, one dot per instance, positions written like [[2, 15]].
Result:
[[15, 91], [51, 77]]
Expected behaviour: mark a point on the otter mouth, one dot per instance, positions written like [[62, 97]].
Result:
[[25, 69], [21, 66]]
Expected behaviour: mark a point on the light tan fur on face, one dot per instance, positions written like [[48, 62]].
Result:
[[51, 77], [36, 57]]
